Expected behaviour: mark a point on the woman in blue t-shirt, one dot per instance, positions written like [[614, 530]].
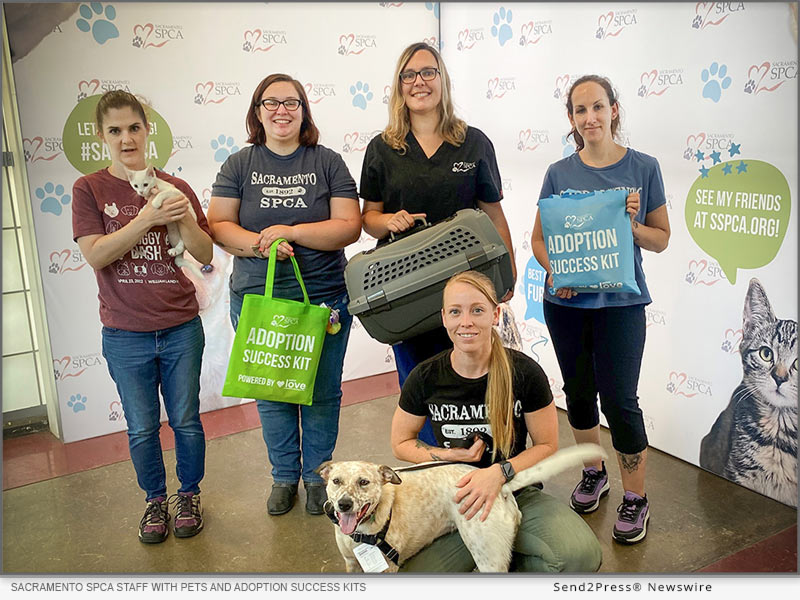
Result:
[[599, 337], [286, 185]]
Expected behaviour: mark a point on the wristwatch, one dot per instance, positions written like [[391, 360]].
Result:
[[507, 469]]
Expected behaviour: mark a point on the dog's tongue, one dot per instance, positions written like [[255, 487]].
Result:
[[348, 522]]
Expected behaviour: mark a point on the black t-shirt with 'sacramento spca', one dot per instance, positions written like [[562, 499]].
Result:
[[456, 405], [455, 177]]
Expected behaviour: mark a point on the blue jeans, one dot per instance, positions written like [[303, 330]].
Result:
[[292, 457], [409, 353], [599, 351], [140, 363]]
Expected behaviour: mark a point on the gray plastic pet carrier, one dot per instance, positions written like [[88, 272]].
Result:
[[396, 290]]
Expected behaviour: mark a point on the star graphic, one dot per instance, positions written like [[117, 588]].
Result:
[[700, 156], [734, 149], [703, 172], [741, 167], [715, 156], [727, 168]]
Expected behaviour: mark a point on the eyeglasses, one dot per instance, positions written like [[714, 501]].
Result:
[[427, 74], [272, 105]]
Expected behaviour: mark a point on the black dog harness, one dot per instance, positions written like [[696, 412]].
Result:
[[377, 539]]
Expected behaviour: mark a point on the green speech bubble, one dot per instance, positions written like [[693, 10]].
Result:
[[738, 212], [87, 152]]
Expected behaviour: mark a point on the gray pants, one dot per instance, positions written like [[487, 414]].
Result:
[[552, 538]]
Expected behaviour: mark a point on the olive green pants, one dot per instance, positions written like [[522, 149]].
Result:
[[552, 538]]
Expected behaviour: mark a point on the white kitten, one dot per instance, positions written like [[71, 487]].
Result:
[[145, 182]]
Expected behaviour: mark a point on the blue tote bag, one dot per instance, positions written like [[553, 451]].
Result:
[[589, 241]]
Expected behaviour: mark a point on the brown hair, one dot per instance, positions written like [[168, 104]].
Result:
[[499, 388], [612, 100], [118, 99], [309, 134], [452, 129]]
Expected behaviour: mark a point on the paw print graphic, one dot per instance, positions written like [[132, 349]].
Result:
[[223, 146], [642, 91], [247, 46], [434, 6], [698, 20], [102, 29], [688, 153], [522, 40], [54, 268], [77, 403], [342, 50], [599, 34], [520, 146], [557, 93], [81, 96], [750, 86], [690, 277], [346, 148], [361, 95], [716, 81], [137, 42], [671, 387], [52, 197], [198, 99], [726, 346], [488, 94], [502, 26], [28, 155], [56, 374]]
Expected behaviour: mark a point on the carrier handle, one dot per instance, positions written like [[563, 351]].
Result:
[[414, 228]]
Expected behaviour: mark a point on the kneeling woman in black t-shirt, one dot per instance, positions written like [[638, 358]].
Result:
[[480, 386]]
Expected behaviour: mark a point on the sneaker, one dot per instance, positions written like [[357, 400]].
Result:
[[316, 496], [282, 498], [153, 526], [631, 525], [188, 514], [592, 487]]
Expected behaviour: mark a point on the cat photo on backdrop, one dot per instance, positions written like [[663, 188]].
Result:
[[753, 442]]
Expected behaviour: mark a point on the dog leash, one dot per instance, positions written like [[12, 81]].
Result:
[[377, 539]]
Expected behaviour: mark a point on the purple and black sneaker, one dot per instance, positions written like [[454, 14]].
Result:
[[592, 487], [631, 525], [153, 526]]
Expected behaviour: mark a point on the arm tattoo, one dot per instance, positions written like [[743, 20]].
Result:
[[429, 448], [225, 247], [630, 462]]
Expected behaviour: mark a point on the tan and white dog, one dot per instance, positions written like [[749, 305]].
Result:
[[372, 504]]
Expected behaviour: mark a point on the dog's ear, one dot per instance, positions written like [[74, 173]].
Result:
[[324, 470], [389, 476]]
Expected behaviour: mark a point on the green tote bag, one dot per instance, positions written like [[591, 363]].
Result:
[[278, 344]]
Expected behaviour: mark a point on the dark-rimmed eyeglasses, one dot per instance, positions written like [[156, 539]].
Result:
[[272, 105], [427, 74]]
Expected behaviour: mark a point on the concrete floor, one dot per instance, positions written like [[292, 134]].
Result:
[[87, 522]]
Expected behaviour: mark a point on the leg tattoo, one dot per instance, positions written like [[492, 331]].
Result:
[[630, 462]]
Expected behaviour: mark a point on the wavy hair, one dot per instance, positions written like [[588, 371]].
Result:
[[612, 100], [452, 129], [309, 134], [499, 388]]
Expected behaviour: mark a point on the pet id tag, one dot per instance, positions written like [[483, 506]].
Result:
[[370, 558]]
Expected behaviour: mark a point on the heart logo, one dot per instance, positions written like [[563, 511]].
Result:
[[143, 32], [88, 87], [492, 83], [31, 148], [698, 266], [524, 136], [350, 139], [605, 20], [114, 411], [734, 337], [59, 259], [647, 79], [696, 141], [430, 41], [204, 89], [463, 36], [702, 9], [760, 71], [206, 197], [677, 379], [280, 383], [345, 41], [60, 366], [562, 83], [252, 36]]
